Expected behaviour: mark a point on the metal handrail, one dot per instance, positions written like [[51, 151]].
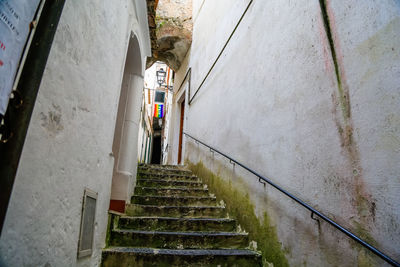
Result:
[[302, 203]]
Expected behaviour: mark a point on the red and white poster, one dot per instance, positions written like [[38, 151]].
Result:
[[15, 17]]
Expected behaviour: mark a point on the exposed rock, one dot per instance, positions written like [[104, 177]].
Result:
[[170, 23]]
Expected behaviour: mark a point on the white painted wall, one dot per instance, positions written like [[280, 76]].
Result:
[[180, 93], [168, 116], [272, 102], [196, 8], [70, 135], [150, 83]]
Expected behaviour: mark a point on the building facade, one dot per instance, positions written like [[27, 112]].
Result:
[[305, 93], [82, 136], [157, 101]]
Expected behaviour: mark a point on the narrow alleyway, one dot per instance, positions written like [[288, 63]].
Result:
[[173, 220], [275, 124]]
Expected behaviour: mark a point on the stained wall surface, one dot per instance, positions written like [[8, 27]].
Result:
[[323, 125], [69, 141]]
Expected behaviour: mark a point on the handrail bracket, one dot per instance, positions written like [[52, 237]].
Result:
[[262, 182]]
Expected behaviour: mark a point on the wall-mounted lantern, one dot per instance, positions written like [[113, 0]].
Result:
[[161, 74]]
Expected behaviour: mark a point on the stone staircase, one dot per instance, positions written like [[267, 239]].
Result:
[[174, 221]]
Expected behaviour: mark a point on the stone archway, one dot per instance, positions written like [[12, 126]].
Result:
[[127, 128]]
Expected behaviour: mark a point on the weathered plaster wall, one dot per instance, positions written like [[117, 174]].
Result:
[[196, 7], [220, 18], [367, 41], [180, 93], [274, 102], [70, 135]]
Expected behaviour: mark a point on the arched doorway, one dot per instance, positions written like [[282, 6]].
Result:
[[125, 142]]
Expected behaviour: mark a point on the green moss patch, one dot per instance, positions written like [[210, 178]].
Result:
[[240, 208]]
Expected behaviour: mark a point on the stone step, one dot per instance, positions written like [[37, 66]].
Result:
[[177, 177], [178, 240], [176, 211], [147, 165], [162, 168], [168, 183], [172, 191], [176, 224], [174, 200], [141, 257], [165, 171]]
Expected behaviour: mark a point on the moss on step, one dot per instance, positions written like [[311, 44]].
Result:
[[183, 177], [173, 200], [175, 211], [113, 221], [178, 240], [154, 191], [240, 207], [140, 257], [176, 224], [161, 183], [109, 228]]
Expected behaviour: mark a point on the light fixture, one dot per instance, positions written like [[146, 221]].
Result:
[[161, 76]]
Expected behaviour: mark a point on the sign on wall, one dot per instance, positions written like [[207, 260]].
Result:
[[15, 18]]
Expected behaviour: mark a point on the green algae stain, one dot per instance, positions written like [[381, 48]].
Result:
[[364, 259], [364, 234], [109, 226], [113, 221], [240, 208]]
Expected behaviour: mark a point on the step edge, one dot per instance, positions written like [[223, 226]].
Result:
[[182, 233], [175, 197], [188, 252], [156, 206], [170, 181], [176, 218], [171, 188]]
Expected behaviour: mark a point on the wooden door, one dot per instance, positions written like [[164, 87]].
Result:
[[181, 132]]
